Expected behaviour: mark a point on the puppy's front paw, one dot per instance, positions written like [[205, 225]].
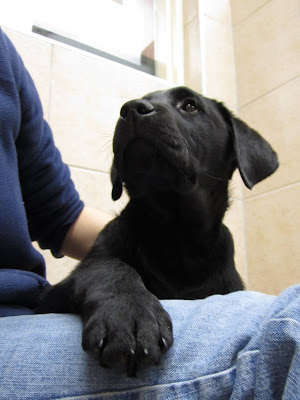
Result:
[[128, 332]]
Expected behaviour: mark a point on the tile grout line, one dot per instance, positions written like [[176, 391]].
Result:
[[269, 92], [215, 19], [85, 169], [251, 14], [290, 185]]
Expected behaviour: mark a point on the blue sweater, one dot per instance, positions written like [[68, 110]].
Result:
[[37, 196]]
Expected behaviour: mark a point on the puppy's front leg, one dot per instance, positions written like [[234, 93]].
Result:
[[124, 325]]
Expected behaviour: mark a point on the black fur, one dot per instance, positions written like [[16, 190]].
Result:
[[175, 152]]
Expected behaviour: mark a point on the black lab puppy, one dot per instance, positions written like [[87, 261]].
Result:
[[174, 152]]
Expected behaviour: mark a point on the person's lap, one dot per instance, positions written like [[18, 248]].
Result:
[[242, 345]]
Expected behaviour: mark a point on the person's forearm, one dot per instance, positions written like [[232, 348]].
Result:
[[83, 233]]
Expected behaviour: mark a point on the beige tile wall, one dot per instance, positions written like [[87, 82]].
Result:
[[192, 50], [273, 237], [267, 50], [218, 51], [276, 115], [241, 9]]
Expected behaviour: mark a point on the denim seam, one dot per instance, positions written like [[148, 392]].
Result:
[[247, 352], [154, 387], [285, 319]]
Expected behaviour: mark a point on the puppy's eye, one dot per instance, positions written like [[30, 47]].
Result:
[[190, 106]]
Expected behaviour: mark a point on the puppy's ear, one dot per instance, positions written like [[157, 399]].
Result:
[[255, 157], [116, 183]]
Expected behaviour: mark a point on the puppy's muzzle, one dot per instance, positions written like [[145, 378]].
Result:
[[150, 151], [140, 107]]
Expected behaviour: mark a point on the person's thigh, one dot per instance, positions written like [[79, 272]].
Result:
[[221, 345]]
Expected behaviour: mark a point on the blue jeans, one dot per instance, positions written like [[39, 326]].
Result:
[[244, 345]]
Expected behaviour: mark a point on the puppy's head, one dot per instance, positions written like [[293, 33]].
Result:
[[178, 140]]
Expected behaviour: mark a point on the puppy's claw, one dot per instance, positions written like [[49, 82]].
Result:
[[164, 343], [102, 344], [146, 352]]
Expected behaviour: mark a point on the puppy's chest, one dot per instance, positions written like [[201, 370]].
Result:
[[167, 262]]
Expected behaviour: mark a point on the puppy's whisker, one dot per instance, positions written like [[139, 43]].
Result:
[[213, 177], [107, 146]]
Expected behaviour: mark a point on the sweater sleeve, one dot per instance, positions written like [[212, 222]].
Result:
[[51, 201]]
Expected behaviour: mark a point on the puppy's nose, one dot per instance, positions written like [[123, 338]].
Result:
[[140, 106]]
